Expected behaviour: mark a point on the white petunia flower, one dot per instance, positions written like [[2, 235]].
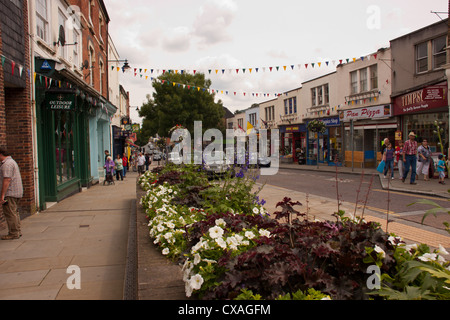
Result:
[[264, 233], [255, 210], [379, 250], [441, 250], [428, 257], [216, 232], [197, 259], [221, 243], [196, 282], [165, 251], [249, 235], [221, 223]]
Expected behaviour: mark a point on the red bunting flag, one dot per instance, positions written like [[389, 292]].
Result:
[[13, 66]]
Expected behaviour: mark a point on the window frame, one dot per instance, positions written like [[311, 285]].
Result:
[[440, 53], [421, 58], [45, 21]]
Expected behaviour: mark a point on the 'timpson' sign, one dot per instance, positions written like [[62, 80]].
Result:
[[421, 100]]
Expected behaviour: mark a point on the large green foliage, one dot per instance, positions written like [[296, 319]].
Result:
[[174, 104]]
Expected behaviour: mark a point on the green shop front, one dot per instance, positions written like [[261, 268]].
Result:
[[63, 108]]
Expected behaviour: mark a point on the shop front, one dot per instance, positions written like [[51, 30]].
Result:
[[62, 124], [100, 136], [365, 129], [325, 148], [293, 141], [420, 110]]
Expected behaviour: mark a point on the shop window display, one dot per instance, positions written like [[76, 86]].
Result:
[[64, 142], [423, 126]]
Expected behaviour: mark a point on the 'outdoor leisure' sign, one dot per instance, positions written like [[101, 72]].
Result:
[[60, 101]]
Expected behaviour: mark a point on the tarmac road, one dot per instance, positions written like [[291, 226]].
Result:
[[352, 189]]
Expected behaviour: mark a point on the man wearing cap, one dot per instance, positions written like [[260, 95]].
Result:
[[410, 158]]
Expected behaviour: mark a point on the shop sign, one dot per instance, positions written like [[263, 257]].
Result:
[[331, 122], [61, 101], [292, 129], [296, 128], [366, 113], [422, 100]]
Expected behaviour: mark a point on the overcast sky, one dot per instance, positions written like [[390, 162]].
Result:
[[230, 34]]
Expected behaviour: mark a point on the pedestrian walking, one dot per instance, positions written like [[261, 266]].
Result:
[[106, 155], [384, 144], [11, 192], [441, 169], [410, 158], [118, 164], [109, 168], [388, 158], [423, 160], [148, 161], [141, 163], [125, 164], [399, 158]]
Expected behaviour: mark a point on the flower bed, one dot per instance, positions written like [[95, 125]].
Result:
[[230, 248]]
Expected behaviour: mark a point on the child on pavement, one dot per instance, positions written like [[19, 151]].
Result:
[[441, 169]]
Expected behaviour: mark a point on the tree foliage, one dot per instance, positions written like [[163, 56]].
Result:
[[172, 104]]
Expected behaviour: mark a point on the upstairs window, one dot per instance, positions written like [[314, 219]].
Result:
[[354, 82], [363, 80], [374, 76], [422, 57], [439, 52], [42, 20]]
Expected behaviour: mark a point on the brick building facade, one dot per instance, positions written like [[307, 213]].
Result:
[[95, 20], [15, 95]]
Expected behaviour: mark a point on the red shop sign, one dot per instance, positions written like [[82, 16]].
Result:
[[422, 100]]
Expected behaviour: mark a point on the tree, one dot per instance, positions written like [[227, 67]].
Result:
[[174, 104]]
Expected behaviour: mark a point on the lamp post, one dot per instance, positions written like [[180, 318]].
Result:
[[126, 65]]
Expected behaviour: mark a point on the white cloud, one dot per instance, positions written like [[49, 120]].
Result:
[[177, 40], [212, 21]]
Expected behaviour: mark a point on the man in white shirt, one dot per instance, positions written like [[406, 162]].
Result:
[[141, 163]]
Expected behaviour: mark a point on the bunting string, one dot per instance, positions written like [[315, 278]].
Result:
[[13, 65], [149, 71], [150, 74]]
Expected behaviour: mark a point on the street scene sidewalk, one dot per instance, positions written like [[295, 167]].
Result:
[[91, 230], [88, 230]]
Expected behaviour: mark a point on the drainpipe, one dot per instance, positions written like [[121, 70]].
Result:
[[31, 28]]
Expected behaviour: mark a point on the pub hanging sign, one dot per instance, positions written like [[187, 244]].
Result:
[[60, 101]]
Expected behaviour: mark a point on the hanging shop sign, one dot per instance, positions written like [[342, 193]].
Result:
[[60, 101], [366, 113], [432, 97]]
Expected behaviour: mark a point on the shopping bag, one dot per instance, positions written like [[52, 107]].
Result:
[[380, 168]]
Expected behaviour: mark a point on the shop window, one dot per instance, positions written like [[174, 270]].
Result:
[[423, 126], [64, 142]]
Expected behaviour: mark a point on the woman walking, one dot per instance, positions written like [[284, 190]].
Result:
[[388, 158], [424, 158], [119, 167]]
